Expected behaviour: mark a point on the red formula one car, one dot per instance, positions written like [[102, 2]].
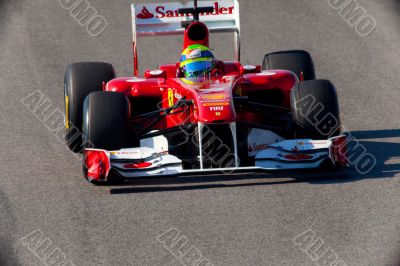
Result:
[[200, 114]]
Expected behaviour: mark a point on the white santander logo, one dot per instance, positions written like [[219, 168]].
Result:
[[162, 12]]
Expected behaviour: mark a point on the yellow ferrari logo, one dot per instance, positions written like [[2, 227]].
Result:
[[170, 98]]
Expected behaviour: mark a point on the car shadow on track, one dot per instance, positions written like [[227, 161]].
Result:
[[384, 145]]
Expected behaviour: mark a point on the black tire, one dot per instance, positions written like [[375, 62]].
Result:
[[106, 121], [315, 110], [80, 80], [296, 61]]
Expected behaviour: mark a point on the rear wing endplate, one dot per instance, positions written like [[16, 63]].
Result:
[[164, 19]]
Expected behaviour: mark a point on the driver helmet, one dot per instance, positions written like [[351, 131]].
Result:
[[197, 61]]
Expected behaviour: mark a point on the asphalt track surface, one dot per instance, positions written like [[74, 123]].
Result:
[[234, 220]]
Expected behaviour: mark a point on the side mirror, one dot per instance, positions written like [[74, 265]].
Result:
[[155, 74], [247, 69]]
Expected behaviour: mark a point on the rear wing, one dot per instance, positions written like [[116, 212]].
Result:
[[164, 19]]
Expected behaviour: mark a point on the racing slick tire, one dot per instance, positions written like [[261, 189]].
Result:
[[315, 110], [81, 79], [106, 121], [297, 61]]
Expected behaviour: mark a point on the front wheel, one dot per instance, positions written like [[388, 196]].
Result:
[[106, 121], [106, 124], [315, 110]]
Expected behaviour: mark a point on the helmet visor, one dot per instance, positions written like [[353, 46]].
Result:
[[198, 68]]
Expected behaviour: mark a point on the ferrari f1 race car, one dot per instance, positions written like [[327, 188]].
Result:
[[200, 115]]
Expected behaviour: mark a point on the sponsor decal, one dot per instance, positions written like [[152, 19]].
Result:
[[145, 14], [214, 101], [218, 113], [212, 90], [138, 165], [217, 108], [163, 12], [257, 147], [311, 143], [211, 97], [259, 140], [216, 104], [124, 153], [298, 157], [317, 143]]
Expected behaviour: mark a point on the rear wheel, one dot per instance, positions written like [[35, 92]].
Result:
[[80, 80], [297, 61], [315, 110]]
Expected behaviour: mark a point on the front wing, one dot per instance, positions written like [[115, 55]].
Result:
[[151, 162]]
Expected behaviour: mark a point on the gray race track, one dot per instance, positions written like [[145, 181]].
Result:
[[235, 220]]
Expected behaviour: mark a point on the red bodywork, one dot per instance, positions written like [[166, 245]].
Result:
[[213, 98]]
